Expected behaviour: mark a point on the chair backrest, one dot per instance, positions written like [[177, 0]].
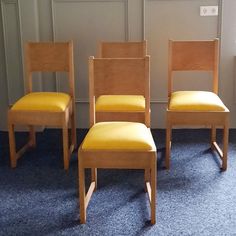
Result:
[[193, 56], [49, 57], [122, 49], [119, 76]]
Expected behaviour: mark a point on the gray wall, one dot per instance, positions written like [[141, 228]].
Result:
[[228, 55], [89, 21]]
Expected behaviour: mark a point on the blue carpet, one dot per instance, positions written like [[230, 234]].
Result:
[[193, 198]]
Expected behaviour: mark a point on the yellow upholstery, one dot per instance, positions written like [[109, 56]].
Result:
[[195, 101], [120, 103], [43, 101], [119, 136]]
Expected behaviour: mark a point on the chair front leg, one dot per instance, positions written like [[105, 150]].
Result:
[[94, 177], [168, 145], [146, 178], [12, 144], [82, 192]]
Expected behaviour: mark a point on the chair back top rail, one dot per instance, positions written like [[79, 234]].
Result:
[[122, 49]]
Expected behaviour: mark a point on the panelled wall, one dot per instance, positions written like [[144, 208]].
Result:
[[87, 22]]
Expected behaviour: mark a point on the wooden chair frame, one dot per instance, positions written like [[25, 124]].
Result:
[[122, 49], [45, 57], [196, 56], [119, 76], [121, 159]]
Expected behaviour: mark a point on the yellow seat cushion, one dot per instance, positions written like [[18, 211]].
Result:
[[119, 136], [195, 101], [120, 103], [43, 101]]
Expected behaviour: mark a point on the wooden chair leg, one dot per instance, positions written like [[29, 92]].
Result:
[[73, 130], [146, 178], [147, 119], [168, 146], [213, 136], [153, 190], [82, 192], [12, 144], [94, 176], [32, 136], [225, 146], [65, 147]]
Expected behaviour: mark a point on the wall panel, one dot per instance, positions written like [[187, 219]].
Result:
[[177, 20], [228, 58], [12, 49], [87, 23]]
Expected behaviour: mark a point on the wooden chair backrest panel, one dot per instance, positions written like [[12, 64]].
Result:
[[49, 57], [193, 56], [123, 76], [122, 49]]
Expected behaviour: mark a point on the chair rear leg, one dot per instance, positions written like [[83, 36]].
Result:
[[213, 136], [147, 119], [12, 145], [94, 176], [225, 146], [153, 190], [65, 147]]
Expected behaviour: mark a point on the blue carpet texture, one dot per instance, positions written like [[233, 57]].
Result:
[[193, 198]]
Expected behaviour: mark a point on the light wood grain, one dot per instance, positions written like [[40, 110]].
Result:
[[116, 159], [122, 49], [119, 76], [46, 57], [196, 56]]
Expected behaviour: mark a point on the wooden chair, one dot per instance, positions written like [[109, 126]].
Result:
[[196, 107], [119, 89], [45, 108], [117, 145], [122, 49]]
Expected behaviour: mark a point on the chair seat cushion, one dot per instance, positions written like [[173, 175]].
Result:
[[119, 136], [43, 101], [195, 101], [121, 103]]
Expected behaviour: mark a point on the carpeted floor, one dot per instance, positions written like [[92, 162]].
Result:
[[193, 198]]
